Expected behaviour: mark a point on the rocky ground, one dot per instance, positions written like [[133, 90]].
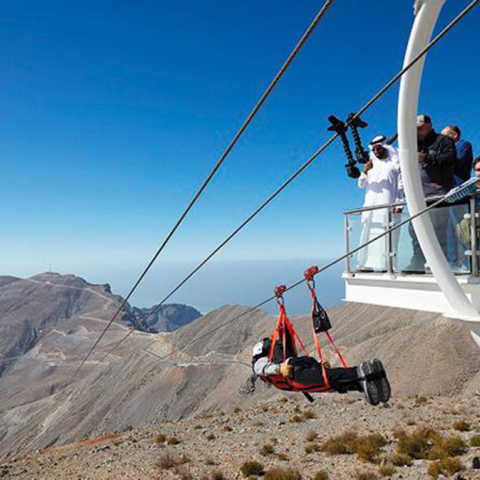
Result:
[[283, 432]]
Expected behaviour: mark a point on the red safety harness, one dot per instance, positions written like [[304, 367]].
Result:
[[284, 326]]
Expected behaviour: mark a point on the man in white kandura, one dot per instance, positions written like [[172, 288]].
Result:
[[383, 185]]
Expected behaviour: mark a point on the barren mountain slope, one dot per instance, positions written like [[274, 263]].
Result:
[[285, 433], [423, 353]]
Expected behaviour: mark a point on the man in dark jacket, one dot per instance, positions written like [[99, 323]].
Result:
[[436, 158], [463, 165]]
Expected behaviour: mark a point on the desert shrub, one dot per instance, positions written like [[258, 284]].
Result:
[[282, 456], [277, 473], [367, 475], [197, 427], [259, 424], [447, 447], [421, 400], [321, 475], [343, 444], [400, 460], [386, 470], [128, 428], [227, 428], [283, 400], [217, 475], [312, 447], [173, 441], [475, 441], [311, 436], [367, 447], [251, 467], [160, 438], [461, 426], [416, 445], [210, 436], [167, 462], [309, 414], [237, 410], [296, 419], [267, 449], [446, 466]]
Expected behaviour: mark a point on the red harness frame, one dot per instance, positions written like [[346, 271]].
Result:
[[284, 325]]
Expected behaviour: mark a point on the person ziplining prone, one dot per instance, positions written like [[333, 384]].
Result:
[[305, 374], [276, 362]]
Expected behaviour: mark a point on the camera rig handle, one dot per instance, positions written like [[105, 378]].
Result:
[[355, 123], [340, 128]]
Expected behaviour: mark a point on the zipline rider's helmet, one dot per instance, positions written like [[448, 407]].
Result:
[[261, 349]]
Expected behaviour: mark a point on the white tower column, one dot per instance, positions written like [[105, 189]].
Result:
[[427, 12]]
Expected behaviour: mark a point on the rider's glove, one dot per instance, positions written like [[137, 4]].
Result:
[[286, 369]]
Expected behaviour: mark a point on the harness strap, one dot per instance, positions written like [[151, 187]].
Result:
[[310, 278]]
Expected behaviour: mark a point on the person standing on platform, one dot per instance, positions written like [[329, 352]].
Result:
[[381, 180], [436, 159]]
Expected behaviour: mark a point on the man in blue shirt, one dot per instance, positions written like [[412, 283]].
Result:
[[463, 165]]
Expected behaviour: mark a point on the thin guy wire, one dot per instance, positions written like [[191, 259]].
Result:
[[376, 97], [230, 147]]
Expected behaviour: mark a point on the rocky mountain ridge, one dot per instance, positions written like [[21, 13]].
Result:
[[202, 367]]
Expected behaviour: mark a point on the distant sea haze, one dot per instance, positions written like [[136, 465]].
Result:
[[245, 282]]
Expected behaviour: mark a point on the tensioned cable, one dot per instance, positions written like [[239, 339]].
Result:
[[225, 154], [374, 99], [320, 270]]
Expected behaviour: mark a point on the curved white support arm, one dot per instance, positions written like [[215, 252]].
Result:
[[427, 12]]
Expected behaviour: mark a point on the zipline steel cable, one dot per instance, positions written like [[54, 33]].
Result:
[[374, 99], [320, 270], [225, 154]]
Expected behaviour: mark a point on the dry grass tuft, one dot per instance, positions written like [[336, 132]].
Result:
[[277, 473], [309, 414], [367, 447], [321, 475], [475, 441], [312, 447], [282, 456], [447, 466], [237, 410], [461, 426], [266, 450], [173, 441], [297, 419], [311, 436], [386, 470], [227, 428], [252, 468], [283, 400], [160, 438], [217, 475], [210, 436], [421, 400], [400, 460], [416, 445]]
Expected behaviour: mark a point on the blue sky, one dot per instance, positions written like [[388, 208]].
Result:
[[113, 112]]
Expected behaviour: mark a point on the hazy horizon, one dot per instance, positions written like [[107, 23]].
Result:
[[222, 282]]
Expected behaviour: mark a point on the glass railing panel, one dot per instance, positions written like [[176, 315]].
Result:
[[447, 223], [363, 228]]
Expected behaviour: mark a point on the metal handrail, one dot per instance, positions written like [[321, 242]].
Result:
[[470, 203], [356, 211]]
